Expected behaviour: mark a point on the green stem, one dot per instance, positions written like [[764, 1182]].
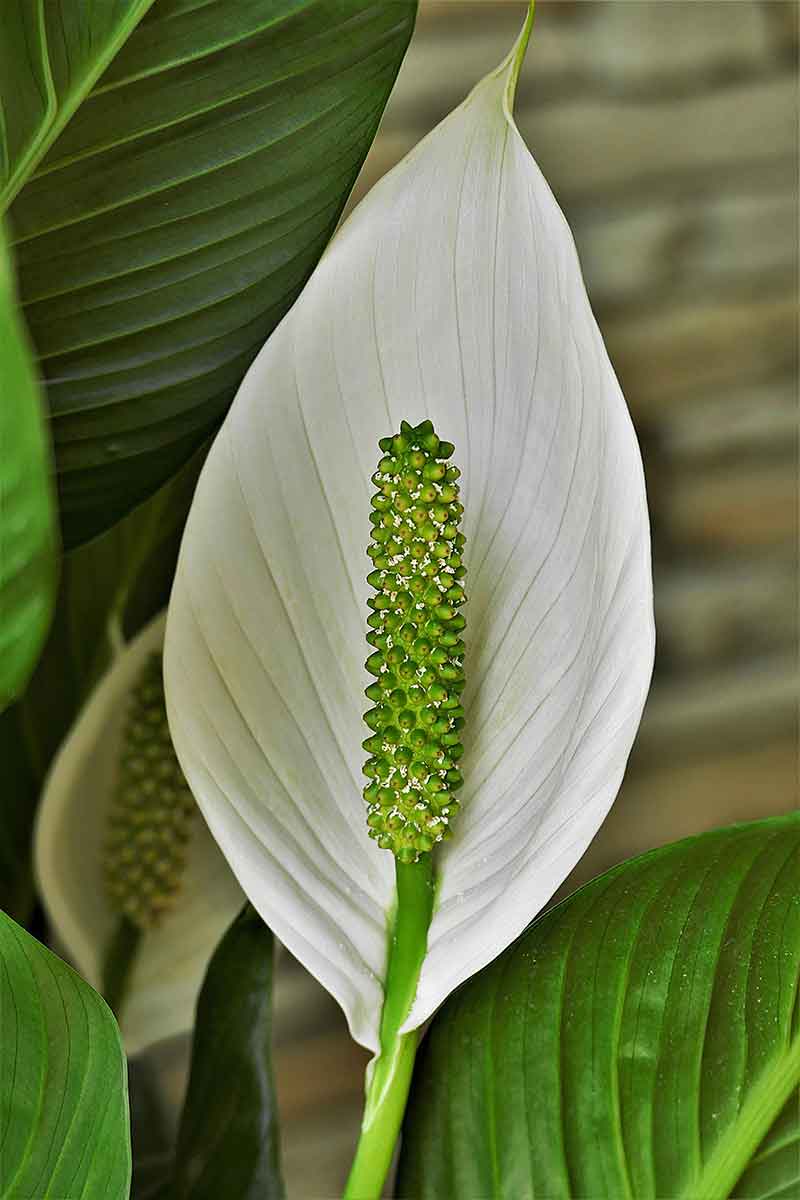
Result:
[[390, 1078], [118, 964]]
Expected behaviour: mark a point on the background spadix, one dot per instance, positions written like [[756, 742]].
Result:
[[453, 292], [70, 832]]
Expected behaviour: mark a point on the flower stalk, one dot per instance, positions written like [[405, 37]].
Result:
[[415, 746], [390, 1076]]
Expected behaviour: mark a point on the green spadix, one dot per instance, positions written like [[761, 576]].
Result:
[[415, 627], [150, 823]]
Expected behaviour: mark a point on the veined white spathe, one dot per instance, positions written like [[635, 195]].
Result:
[[452, 292], [71, 828]]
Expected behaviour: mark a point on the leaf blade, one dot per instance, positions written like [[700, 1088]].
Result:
[[63, 1089], [60, 79], [228, 1140], [639, 1031], [177, 217]]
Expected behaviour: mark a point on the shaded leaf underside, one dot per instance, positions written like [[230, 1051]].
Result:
[[641, 1040]]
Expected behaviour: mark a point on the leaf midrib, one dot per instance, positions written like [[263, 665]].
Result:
[[60, 113], [276, 82], [147, 193], [735, 1149], [205, 51]]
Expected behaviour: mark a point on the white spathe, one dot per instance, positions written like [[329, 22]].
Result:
[[70, 830], [453, 292]]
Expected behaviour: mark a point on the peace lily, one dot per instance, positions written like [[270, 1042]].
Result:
[[71, 858], [452, 294]]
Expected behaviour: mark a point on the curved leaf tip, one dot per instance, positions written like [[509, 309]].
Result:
[[516, 58]]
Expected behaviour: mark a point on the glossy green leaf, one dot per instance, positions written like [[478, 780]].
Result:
[[63, 1083], [51, 53], [175, 219], [640, 1040], [27, 542], [228, 1137]]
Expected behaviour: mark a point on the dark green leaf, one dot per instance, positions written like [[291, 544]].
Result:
[[152, 1132], [63, 1087], [228, 1138], [27, 542], [175, 219], [50, 56], [640, 1040]]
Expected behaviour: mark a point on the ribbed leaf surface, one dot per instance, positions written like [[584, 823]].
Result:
[[51, 52], [63, 1087], [176, 218], [640, 1040]]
